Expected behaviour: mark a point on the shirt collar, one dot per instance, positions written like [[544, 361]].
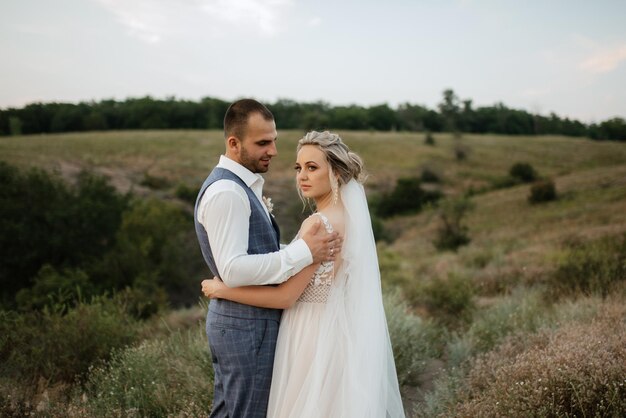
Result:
[[242, 172]]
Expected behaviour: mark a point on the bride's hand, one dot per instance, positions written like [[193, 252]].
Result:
[[211, 288]]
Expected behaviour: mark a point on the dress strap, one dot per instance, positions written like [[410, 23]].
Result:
[[327, 224]]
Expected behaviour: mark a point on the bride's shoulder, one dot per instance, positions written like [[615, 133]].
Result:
[[335, 218]]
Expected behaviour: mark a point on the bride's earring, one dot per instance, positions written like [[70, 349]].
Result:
[[334, 186]]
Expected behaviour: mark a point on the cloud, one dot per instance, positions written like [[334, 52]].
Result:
[[604, 61], [153, 20], [314, 22]]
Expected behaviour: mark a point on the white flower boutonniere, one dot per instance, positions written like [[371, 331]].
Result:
[[268, 204]]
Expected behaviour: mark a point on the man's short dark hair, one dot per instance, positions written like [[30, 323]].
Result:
[[236, 118]]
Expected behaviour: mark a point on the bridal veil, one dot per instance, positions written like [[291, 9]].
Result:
[[353, 373]]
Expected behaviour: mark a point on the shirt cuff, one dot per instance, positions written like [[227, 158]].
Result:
[[298, 255]]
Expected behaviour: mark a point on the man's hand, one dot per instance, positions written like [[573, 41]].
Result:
[[324, 246]]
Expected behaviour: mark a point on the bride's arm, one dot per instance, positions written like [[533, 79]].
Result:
[[279, 297]]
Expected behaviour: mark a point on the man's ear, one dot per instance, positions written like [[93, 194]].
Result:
[[233, 143]]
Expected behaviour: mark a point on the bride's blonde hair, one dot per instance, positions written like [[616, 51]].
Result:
[[343, 162]]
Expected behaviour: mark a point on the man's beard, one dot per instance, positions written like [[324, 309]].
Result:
[[250, 163]]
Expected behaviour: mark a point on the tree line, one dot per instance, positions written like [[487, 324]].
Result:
[[452, 115]]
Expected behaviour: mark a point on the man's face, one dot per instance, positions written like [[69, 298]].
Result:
[[258, 146]]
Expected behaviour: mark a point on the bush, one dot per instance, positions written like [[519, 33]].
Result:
[[163, 377], [186, 193], [542, 191], [156, 248], [61, 347], [592, 267], [413, 340], [43, 221], [53, 288], [430, 175], [461, 151], [578, 370], [378, 228], [523, 172], [451, 233], [154, 182], [429, 139], [407, 197], [450, 300], [522, 312]]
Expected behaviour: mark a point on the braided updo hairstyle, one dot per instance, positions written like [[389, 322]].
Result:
[[343, 162]]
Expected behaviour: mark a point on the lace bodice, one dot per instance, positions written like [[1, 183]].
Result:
[[318, 289]]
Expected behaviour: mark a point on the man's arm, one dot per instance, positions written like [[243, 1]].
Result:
[[224, 212]]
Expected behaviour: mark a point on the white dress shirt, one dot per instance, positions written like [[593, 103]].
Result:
[[224, 212]]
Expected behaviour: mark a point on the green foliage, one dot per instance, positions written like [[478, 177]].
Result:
[[378, 228], [453, 114], [461, 151], [15, 126], [523, 172], [186, 193], [414, 341], [60, 243], [614, 128], [542, 191], [430, 175], [61, 346], [429, 139], [154, 182], [451, 233], [450, 300], [162, 377], [391, 273], [592, 267], [54, 288], [407, 197], [155, 248], [43, 221]]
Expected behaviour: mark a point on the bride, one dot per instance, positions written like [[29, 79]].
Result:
[[333, 355]]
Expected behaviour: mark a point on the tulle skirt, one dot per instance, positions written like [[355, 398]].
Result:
[[295, 364]]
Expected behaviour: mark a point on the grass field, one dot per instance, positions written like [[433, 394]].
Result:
[[515, 250]]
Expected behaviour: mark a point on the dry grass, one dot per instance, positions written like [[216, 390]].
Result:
[[577, 370]]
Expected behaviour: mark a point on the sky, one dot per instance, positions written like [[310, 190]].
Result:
[[566, 57]]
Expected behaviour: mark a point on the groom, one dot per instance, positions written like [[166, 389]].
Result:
[[239, 239]]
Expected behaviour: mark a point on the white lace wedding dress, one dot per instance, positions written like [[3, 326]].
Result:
[[333, 354], [297, 340]]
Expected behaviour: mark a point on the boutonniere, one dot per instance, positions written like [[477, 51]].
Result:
[[268, 204]]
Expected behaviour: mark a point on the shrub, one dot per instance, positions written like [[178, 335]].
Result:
[[522, 312], [429, 139], [542, 191], [413, 340], [523, 172], [449, 300], [163, 377], [154, 182], [186, 193], [378, 228], [592, 267], [578, 370], [451, 233], [461, 151], [43, 221], [430, 175], [407, 197], [53, 288], [61, 347]]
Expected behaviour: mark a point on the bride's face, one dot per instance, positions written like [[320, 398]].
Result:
[[312, 173]]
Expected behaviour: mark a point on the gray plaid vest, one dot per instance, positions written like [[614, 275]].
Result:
[[263, 238]]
